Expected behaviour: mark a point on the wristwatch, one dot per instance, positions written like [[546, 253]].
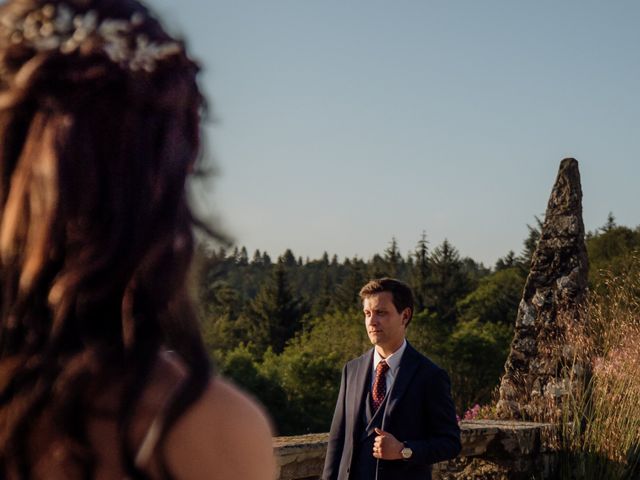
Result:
[[406, 452]]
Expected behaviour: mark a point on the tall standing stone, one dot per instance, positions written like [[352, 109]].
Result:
[[553, 294]]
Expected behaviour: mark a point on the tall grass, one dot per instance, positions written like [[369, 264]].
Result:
[[601, 414]]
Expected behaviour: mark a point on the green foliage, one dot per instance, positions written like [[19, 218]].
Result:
[[420, 280], [300, 385], [429, 335], [475, 354], [346, 292], [508, 261], [449, 282], [309, 368], [288, 258], [275, 314], [393, 258], [222, 333], [310, 382], [284, 330], [340, 334], [530, 244], [495, 299], [240, 365], [612, 243], [611, 249]]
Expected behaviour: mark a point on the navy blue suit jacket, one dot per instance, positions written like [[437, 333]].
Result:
[[419, 411]]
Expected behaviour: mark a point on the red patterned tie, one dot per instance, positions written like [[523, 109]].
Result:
[[379, 385]]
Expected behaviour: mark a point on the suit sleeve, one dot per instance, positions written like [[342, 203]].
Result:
[[443, 441], [336, 434]]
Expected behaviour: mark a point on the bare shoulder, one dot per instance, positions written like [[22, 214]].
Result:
[[224, 435]]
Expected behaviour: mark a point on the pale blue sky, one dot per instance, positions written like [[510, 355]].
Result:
[[342, 123]]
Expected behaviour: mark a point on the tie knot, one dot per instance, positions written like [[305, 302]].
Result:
[[382, 367]]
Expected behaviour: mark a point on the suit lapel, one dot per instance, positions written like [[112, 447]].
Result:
[[406, 371]]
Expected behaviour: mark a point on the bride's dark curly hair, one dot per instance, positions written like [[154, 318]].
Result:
[[98, 136]]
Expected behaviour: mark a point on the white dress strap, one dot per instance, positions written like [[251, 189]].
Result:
[[172, 373], [150, 442]]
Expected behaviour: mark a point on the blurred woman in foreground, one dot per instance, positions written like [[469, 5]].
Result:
[[99, 130]]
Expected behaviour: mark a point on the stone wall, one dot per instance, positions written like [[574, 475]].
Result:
[[491, 450]]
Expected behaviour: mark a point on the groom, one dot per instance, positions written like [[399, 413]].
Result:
[[394, 416]]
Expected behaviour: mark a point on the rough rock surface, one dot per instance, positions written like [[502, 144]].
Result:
[[534, 383]]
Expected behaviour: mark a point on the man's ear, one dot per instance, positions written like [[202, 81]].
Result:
[[406, 315]]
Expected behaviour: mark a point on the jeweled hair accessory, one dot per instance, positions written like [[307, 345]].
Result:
[[59, 28]]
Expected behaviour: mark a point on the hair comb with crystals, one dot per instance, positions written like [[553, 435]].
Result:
[[59, 28]]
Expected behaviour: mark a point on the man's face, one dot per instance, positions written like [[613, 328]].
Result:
[[385, 325]]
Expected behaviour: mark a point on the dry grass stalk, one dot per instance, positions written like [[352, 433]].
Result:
[[601, 417]]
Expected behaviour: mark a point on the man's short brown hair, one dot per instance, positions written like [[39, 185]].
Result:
[[401, 294]]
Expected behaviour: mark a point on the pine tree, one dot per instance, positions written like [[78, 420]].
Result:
[[508, 261], [275, 313], [378, 267], [221, 253], [421, 273], [225, 300], [346, 296], [243, 257], [449, 283], [530, 244], [323, 297], [393, 258], [610, 225], [288, 258]]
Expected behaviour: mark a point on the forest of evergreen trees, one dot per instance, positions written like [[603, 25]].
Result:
[[283, 328]]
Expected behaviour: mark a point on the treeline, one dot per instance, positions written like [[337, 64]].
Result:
[[283, 328]]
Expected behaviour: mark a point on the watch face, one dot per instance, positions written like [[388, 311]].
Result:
[[406, 452]]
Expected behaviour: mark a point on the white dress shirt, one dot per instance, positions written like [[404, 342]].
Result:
[[392, 360]]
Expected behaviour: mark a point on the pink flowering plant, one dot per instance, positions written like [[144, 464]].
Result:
[[478, 412]]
